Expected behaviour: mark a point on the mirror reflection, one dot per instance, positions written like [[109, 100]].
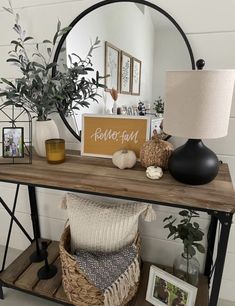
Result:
[[136, 45]]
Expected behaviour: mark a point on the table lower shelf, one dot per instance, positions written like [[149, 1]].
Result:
[[21, 274]]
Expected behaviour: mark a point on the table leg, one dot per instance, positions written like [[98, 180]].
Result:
[[210, 246], [226, 221], [36, 256], [34, 211], [1, 293]]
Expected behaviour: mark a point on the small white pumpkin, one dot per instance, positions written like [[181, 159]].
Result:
[[154, 173], [124, 159]]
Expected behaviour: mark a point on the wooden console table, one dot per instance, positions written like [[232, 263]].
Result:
[[99, 177]]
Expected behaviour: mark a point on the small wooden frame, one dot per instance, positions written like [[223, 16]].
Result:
[[104, 135], [136, 77], [125, 73], [13, 142], [112, 67]]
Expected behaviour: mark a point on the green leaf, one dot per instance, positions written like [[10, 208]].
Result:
[[200, 247], [51, 65], [184, 213], [46, 41], [13, 60], [191, 251], [8, 83], [55, 38], [28, 38], [196, 225], [58, 25], [15, 42], [9, 10], [167, 218]]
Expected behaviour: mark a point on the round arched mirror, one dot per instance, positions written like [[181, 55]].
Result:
[[135, 43]]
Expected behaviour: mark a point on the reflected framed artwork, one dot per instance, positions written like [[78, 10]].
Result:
[[165, 289], [136, 76], [112, 64], [125, 73]]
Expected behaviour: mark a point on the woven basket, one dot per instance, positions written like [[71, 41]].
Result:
[[77, 287]]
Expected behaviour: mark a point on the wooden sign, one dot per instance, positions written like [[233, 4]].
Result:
[[104, 135]]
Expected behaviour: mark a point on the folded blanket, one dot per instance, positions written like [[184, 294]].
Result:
[[113, 273]]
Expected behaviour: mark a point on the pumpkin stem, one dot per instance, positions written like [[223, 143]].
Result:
[[155, 136], [124, 151]]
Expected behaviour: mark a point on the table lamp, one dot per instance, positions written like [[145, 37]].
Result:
[[198, 104]]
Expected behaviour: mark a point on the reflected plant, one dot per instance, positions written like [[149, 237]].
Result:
[[159, 105], [76, 89]]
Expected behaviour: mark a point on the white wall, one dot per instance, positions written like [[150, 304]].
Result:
[[210, 29], [135, 38]]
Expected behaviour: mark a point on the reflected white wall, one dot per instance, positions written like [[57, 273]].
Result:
[[126, 27]]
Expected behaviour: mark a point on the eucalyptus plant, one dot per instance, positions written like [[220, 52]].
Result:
[[187, 230], [40, 90]]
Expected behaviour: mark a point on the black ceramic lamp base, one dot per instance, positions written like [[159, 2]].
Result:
[[47, 272], [193, 163]]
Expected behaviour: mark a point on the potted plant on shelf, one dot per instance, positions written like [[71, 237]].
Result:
[[159, 107], [43, 92], [186, 266]]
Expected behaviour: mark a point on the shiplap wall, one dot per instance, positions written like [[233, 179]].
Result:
[[210, 28]]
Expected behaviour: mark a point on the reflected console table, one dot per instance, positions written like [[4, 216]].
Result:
[[99, 177]]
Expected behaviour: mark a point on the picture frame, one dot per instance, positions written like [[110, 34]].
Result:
[[112, 67], [125, 73], [136, 76], [103, 135], [13, 142], [165, 289]]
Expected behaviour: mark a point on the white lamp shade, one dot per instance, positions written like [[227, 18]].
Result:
[[198, 103]]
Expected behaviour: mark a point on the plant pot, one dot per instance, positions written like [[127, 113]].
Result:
[[187, 268], [44, 130]]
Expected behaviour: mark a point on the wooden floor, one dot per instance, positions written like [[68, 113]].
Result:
[[22, 275]]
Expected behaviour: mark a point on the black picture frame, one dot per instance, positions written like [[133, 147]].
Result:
[[15, 150]]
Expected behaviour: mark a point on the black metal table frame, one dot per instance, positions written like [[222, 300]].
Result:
[[212, 268]]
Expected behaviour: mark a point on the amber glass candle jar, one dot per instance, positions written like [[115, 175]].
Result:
[[55, 150]]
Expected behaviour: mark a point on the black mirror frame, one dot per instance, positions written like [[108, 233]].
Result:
[[103, 3]]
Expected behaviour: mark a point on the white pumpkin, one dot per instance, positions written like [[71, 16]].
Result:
[[124, 159], [154, 173]]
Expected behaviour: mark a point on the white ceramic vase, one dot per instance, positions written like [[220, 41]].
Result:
[[44, 130]]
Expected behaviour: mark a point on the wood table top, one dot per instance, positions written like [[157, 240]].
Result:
[[98, 176]]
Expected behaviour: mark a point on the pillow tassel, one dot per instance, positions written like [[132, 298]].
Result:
[[149, 214], [119, 290]]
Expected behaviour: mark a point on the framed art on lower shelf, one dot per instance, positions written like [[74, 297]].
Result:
[[165, 289]]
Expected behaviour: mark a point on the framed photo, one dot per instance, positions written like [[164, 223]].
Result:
[[112, 64], [165, 289], [103, 135], [136, 76], [13, 142], [125, 73]]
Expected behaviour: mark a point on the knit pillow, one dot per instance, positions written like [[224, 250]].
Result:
[[101, 226]]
